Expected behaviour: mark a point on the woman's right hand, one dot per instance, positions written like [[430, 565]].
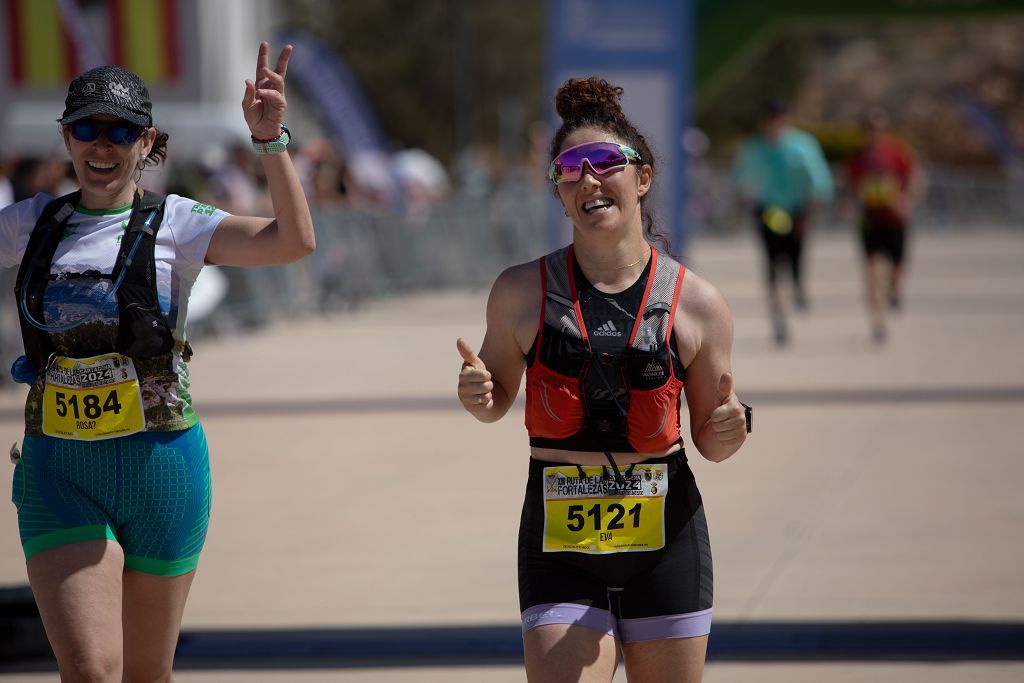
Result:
[[475, 383], [264, 103]]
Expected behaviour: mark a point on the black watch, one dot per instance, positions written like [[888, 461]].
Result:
[[748, 412]]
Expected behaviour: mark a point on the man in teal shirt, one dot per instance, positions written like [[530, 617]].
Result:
[[781, 171]]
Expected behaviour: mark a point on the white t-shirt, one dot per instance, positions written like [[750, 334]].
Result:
[[91, 242]]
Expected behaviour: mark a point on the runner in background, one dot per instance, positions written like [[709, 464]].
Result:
[[886, 182], [112, 485], [614, 554], [781, 173]]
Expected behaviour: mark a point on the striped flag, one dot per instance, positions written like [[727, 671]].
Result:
[[52, 41], [40, 50], [144, 38]]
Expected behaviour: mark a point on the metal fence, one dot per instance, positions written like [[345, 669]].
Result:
[[367, 254]]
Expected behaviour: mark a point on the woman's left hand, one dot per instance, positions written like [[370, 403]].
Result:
[[264, 103], [728, 419]]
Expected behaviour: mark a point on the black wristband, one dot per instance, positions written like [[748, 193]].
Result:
[[748, 412]]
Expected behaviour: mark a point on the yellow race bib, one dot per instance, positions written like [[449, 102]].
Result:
[[596, 515], [92, 398], [778, 220], [878, 190]]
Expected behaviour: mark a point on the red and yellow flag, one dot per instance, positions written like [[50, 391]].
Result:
[[40, 54], [144, 38], [141, 35]]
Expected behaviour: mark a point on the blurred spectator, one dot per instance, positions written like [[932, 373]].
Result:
[[701, 200], [31, 176], [781, 172], [321, 173], [6, 188], [538, 134], [473, 173], [421, 179], [234, 187], [63, 174], [371, 184], [10, 340], [886, 182]]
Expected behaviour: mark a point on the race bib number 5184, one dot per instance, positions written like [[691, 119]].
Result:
[[596, 514], [92, 398]]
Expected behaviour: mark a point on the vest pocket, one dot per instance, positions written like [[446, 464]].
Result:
[[554, 408], [653, 420]]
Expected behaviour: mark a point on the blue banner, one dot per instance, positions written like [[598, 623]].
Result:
[[334, 91]]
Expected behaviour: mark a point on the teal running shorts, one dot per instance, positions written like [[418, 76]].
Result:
[[149, 492]]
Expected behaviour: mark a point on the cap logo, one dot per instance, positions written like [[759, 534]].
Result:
[[89, 88], [120, 93]]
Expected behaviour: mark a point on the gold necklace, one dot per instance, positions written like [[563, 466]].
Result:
[[628, 265]]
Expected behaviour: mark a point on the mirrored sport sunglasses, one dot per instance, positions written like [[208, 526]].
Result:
[[118, 132], [603, 157]]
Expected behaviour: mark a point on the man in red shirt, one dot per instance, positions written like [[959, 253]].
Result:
[[887, 182]]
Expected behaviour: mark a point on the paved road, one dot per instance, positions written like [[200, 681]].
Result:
[[882, 483]]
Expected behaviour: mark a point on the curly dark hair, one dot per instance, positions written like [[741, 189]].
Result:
[[594, 103], [158, 154]]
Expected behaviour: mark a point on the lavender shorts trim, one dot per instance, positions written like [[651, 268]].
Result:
[[691, 625], [594, 618]]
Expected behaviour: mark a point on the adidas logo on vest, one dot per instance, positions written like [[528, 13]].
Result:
[[607, 330]]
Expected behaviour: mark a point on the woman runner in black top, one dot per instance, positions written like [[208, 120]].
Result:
[[613, 549]]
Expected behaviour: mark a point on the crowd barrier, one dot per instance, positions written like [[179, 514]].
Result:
[[364, 254]]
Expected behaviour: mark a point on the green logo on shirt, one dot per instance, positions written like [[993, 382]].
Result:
[[204, 209]]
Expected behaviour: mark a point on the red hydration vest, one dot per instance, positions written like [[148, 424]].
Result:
[[556, 406]]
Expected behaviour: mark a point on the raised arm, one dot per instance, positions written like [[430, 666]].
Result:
[[255, 241], [704, 332]]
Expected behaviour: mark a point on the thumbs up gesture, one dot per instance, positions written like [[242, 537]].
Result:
[[728, 419], [475, 383]]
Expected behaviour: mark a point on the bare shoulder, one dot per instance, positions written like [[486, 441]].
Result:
[[702, 317], [517, 282], [699, 298], [514, 303]]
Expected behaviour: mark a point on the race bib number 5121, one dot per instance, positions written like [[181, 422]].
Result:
[[92, 398], [596, 514]]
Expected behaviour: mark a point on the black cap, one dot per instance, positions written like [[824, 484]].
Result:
[[110, 90]]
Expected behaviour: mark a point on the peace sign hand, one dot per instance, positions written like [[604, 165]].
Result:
[[264, 103]]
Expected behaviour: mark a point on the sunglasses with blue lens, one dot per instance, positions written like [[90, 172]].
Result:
[[117, 132]]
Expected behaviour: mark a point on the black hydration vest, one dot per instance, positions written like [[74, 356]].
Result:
[[143, 331]]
